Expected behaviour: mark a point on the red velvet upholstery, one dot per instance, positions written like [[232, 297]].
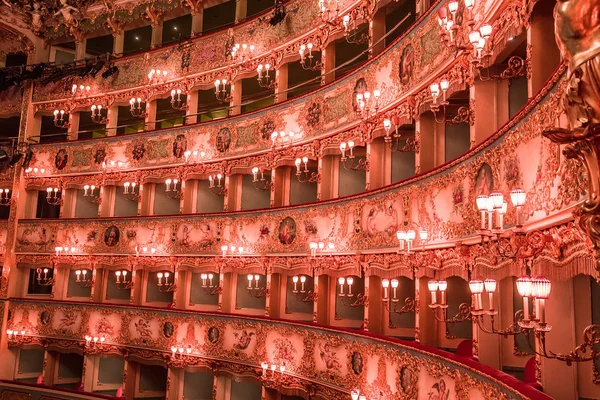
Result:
[[465, 349], [529, 375]]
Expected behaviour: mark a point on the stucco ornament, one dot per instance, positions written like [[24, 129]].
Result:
[[577, 31]]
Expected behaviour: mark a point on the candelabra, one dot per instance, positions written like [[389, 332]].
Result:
[[231, 250], [256, 291], [121, 279], [176, 102], [97, 116], [464, 309], [351, 30], [80, 90], [495, 204], [89, 193], [348, 298], [208, 285], [35, 171], [393, 140], [328, 10], [94, 344], [406, 239], [224, 90], [181, 356], [54, 196], [303, 295], [165, 284], [319, 248], [60, 119], [16, 337], [65, 251], [5, 197], [274, 376], [355, 395], [367, 105], [242, 53], [174, 188], [45, 276], [260, 182], [84, 277], [194, 156], [282, 138], [131, 191], [307, 61], [305, 176], [112, 166], [409, 302], [265, 78], [157, 76], [463, 113], [215, 185], [136, 109], [350, 162]]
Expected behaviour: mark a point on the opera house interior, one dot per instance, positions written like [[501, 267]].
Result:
[[300, 199]]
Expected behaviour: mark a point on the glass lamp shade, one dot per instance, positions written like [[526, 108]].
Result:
[[498, 199], [474, 37], [518, 197], [490, 285], [350, 280], [394, 283], [482, 200], [432, 285], [541, 287], [295, 279], [524, 286], [385, 283], [476, 286], [486, 31], [411, 235], [341, 281], [401, 235], [442, 286]]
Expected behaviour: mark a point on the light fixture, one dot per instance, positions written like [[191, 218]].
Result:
[[231, 250], [181, 356], [94, 344], [123, 279], [90, 194], [304, 175], [64, 251], [97, 116], [45, 276], [320, 248], [328, 10], [224, 90], [464, 309], [136, 109], [84, 277], [464, 114], [409, 302], [54, 196], [35, 171], [166, 281], [283, 138], [80, 90], [112, 166], [394, 140], [176, 101], [255, 290], [16, 337], [215, 186], [302, 295], [61, 119], [156, 76], [356, 395], [407, 238], [347, 298], [367, 103], [242, 53], [131, 191], [307, 58], [174, 188], [209, 286], [350, 162], [194, 156], [5, 197], [351, 29], [259, 181], [266, 78]]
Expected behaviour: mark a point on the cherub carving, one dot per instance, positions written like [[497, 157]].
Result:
[[329, 357], [244, 339], [67, 320], [67, 11], [37, 21], [143, 328]]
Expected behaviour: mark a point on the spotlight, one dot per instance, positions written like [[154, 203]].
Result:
[[16, 157], [110, 71], [88, 68], [28, 157], [97, 68], [278, 13]]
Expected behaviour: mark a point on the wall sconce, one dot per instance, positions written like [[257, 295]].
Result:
[[61, 119], [273, 375], [393, 139], [80, 90], [45, 276], [260, 182], [84, 277], [302, 295], [121, 282], [136, 108], [265, 80], [320, 248], [97, 116], [348, 162], [464, 309], [282, 138], [176, 102], [216, 188], [495, 203], [408, 237], [65, 251], [112, 165], [54, 196], [367, 104], [328, 10], [194, 156], [35, 171], [131, 191], [256, 291], [89, 193], [355, 395], [464, 114], [165, 284], [242, 53], [16, 337], [94, 344], [351, 30], [231, 250], [306, 60], [157, 76], [210, 288], [409, 302], [224, 90], [5, 197], [305, 176], [176, 190], [181, 356], [347, 298]]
